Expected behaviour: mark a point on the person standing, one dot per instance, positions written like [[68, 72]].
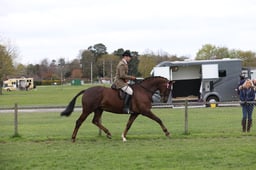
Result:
[[247, 96], [122, 78]]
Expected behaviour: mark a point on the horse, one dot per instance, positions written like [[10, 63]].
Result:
[[99, 98]]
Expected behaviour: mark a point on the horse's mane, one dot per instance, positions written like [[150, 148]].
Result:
[[153, 77], [149, 78]]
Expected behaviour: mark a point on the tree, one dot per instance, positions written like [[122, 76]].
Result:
[[76, 73], [6, 65], [119, 52], [107, 65], [20, 70], [88, 63], [221, 52], [62, 69], [61, 62], [44, 70], [33, 71], [133, 64], [248, 57], [234, 54], [75, 64], [207, 52], [98, 50], [146, 64]]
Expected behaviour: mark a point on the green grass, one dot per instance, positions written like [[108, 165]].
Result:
[[215, 140], [41, 96]]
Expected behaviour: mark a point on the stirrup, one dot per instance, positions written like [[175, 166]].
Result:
[[127, 110]]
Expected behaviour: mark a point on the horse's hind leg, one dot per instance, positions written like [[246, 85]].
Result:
[[79, 121], [97, 121]]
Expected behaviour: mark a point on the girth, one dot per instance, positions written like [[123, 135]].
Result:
[[121, 93]]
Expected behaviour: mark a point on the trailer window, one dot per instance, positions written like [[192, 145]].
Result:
[[222, 73], [174, 68]]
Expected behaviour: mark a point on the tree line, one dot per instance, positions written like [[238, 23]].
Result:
[[95, 63]]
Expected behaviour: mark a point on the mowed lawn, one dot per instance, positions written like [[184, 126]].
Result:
[[41, 96], [215, 140]]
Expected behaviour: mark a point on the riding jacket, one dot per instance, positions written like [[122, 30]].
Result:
[[122, 76]]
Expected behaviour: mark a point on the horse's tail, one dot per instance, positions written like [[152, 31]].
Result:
[[70, 108]]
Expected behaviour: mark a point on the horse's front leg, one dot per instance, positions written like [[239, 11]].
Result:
[[132, 117], [150, 115]]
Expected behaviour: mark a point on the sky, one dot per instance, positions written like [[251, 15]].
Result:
[[54, 29]]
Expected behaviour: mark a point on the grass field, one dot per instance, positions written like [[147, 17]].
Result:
[[41, 96], [215, 140]]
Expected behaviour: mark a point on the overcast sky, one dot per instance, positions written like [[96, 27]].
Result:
[[61, 28]]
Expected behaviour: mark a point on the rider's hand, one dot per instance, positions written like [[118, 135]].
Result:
[[133, 78]]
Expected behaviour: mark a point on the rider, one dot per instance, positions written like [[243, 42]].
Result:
[[122, 77]]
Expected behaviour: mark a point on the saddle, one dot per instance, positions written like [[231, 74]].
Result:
[[121, 93]]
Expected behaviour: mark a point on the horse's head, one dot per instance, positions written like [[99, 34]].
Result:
[[165, 89], [161, 84]]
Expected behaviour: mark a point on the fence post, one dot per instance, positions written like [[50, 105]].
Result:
[[15, 119], [186, 116]]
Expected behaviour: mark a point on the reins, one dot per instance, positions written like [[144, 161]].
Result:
[[152, 92], [146, 89]]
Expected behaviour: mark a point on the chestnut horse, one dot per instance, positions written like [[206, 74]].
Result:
[[98, 99]]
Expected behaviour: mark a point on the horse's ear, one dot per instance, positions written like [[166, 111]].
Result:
[[171, 82]]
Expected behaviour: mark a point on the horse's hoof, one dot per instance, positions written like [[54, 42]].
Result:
[[124, 138], [168, 135]]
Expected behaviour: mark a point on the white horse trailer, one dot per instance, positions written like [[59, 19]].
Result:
[[202, 80], [22, 83]]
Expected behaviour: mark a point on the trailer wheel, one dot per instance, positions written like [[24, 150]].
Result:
[[8, 89], [212, 99]]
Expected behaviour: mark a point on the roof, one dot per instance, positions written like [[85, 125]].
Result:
[[195, 62]]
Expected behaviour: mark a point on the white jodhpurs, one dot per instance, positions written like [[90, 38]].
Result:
[[127, 89]]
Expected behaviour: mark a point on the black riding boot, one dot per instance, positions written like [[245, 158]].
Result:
[[244, 125], [249, 125], [127, 103]]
